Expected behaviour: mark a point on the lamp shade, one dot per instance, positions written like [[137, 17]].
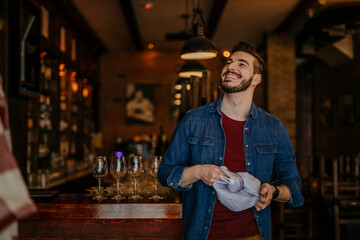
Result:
[[198, 48], [191, 68]]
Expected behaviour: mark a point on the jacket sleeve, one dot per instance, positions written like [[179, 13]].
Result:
[[286, 172], [176, 158]]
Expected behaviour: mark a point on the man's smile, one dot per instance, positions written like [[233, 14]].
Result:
[[231, 76]]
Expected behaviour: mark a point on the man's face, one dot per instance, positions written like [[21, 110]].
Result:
[[238, 72]]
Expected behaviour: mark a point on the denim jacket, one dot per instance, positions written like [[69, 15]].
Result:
[[200, 139]]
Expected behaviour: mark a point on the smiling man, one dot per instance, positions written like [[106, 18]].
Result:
[[233, 132]]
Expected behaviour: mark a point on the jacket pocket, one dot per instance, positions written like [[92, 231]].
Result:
[[202, 150], [205, 141], [266, 157]]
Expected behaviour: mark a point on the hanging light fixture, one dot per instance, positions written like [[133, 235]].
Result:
[[198, 47], [191, 68]]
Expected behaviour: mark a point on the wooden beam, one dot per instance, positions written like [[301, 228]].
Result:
[[130, 18], [214, 18], [296, 16]]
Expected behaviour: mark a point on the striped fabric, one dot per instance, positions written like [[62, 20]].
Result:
[[15, 202]]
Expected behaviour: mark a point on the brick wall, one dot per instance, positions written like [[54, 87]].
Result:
[[281, 84]]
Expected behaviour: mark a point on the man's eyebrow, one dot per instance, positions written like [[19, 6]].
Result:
[[243, 60]]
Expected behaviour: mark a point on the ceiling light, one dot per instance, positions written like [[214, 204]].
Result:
[[226, 54], [198, 47], [191, 68]]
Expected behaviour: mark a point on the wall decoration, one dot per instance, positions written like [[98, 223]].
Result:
[[326, 113], [347, 109], [139, 103]]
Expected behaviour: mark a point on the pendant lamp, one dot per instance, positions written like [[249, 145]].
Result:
[[191, 68], [198, 47]]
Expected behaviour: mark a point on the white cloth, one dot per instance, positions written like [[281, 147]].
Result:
[[239, 191]]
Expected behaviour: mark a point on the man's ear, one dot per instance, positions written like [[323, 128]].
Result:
[[256, 79]]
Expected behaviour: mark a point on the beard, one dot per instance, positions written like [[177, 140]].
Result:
[[242, 86]]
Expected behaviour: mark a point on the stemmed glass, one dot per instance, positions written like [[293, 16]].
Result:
[[153, 171], [135, 169], [100, 170], [118, 170]]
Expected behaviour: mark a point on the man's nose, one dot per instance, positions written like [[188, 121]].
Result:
[[231, 66]]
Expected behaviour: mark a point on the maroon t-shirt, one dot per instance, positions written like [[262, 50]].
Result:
[[227, 224]]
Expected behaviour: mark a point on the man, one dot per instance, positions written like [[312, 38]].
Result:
[[233, 132]]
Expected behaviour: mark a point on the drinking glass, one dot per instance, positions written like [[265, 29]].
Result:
[[118, 170], [100, 170], [135, 169], [154, 164]]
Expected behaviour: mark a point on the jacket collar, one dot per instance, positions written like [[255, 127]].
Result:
[[216, 107]]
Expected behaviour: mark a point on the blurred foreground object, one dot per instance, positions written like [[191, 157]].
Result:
[[15, 202]]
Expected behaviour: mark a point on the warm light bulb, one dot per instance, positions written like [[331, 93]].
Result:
[[226, 54], [178, 87], [74, 86], [150, 46], [188, 87], [177, 102], [85, 92], [61, 67], [73, 75], [177, 95]]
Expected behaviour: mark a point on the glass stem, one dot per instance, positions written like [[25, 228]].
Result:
[[134, 186], [155, 187], [118, 186], [99, 192]]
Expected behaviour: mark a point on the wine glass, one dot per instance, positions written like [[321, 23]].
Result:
[[100, 170], [135, 170], [153, 171], [118, 170]]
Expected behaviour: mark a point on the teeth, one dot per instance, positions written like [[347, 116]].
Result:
[[231, 76]]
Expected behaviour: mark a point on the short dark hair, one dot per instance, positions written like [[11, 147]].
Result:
[[259, 64]]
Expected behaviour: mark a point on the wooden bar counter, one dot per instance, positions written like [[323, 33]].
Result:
[[77, 216]]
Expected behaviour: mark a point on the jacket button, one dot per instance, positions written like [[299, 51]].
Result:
[[257, 217], [247, 145], [220, 158], [209, 210], [246, 128], [213, 192], [248, 164], [171, 184], [206, 227]]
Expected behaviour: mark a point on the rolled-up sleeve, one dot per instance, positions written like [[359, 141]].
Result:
[[286, 171], [176, 158]]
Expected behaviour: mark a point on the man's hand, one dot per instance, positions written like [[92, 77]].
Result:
[[208, 173], [204, 172], [266, 193]]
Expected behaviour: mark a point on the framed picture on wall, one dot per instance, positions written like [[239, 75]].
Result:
[[30, 49], [140, 104], [347, 109], [326, 113]]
